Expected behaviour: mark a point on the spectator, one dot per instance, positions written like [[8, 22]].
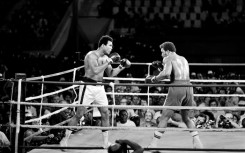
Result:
[[38, 139], [242, 113], [136, 100], [210, 75], [123, 120], [52, 99], [148, 120], [232, 101], [243, 123], [200, 121], [205, 120], [236, 119], [141, 112], [213, 103], [129, 99], [67, 95], [206, 100], [4, 142], [226, 121], [58, 118], [193, 75], [3, 70], [31, 111], [87, 120], [130, 111]]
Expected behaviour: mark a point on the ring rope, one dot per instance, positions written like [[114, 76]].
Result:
[[217, 64], [138, 84], [164, 149], [47, 129], [51, 93], [135, 106], [49, 114], [134, 128], [140, 94], [154, 94], [164, 94], [167, 80], [202, 64], [53, 75], [45, 116]]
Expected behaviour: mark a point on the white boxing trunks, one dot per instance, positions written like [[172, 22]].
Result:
[[93, 93]]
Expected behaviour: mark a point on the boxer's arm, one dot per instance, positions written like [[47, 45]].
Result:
[[167, 69], [111, 72], [124, 63]]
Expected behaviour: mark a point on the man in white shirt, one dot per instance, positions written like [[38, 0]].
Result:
[[124, 121]]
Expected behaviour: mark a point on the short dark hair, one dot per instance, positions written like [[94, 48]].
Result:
[[121, 111], [243, 123], [213, 100], [104, 40], [119, 150], [168, 46], [237, 116]]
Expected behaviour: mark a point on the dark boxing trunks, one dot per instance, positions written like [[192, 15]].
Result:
[[180, 96]]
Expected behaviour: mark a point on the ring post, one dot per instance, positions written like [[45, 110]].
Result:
[[20, 112], [114, 102], [18, 117]]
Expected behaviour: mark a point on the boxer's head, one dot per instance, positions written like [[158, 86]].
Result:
[[166, 48], [115, 148], [104, 40]]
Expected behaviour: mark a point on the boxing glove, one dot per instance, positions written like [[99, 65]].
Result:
[[114, 58], [125, 63], [150, 79], [158, 65]]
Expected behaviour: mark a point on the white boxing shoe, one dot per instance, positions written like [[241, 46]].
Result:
[[152, 146], [105, 146], [64, 141], [197, 144]]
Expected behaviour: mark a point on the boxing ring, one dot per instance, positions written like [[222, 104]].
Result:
[[88, 139]]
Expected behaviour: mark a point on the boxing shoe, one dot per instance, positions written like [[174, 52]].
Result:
[[197, 144], [153, 143], [64, 141], [107, 145]]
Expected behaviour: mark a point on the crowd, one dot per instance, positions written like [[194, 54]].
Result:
[[144, 19], [30, 24]]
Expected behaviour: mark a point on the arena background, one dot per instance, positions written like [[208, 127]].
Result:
[[203, 32]]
